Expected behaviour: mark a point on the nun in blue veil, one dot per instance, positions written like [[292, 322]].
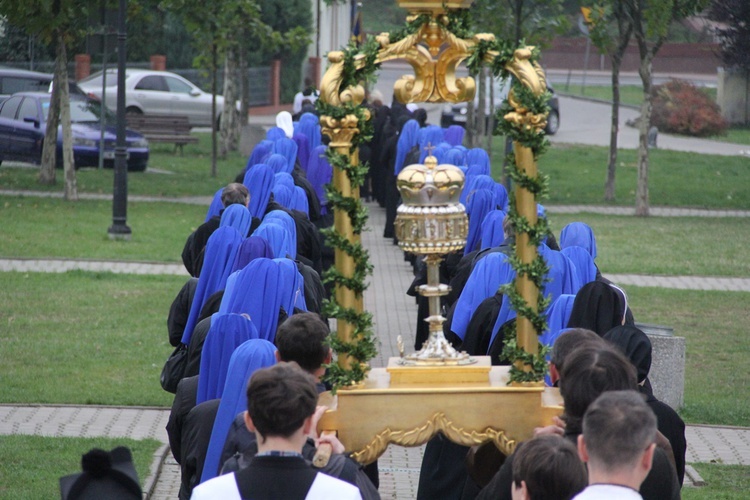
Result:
[[278, 238], [454, 156], [250, 249], [259, 181], [275, 133], [300, 201], [474, 183], [407, 139], [248, 358], [558, 315], [309, 125], [227, 332], [283, 179], [501, 196], [430, 136], [256, 292], [283, 196], [237, 216], [454, 135], [584, 263], [486, 277], [405, 146], [492, 229], [292, 293], [216, 206], [480, 158], [480, 203], [221, 250], [288, 149], [578, 234], [287, 222], [303, 149], [278, 163], [259, 153], [475, 169], [319, 173]]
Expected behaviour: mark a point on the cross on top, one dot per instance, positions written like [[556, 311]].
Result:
[[429, 148]]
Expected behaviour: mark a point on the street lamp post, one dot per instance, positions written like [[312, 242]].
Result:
[[119, 228]]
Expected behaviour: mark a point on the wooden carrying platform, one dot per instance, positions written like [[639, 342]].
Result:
[[399, 405]]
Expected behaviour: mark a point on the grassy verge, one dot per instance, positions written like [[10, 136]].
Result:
[[48, 227], [629, 94], [168, 174], [717, 377], [723, 482], [577, 174], [33, 465], [85, 338], [693, 246]]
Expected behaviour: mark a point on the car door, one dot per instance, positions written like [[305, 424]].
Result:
[[26, 142], [7, 124], [152, 94], [185, 101]]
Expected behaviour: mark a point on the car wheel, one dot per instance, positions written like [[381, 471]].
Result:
[[133, 111], [553, 123], [137, 167]]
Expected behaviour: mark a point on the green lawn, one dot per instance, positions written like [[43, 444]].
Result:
[[85, 338], [723, 482], [79, 230], [693, 246], [577, 175], [717, 377], [168, 174], [629, 94], [32, 465]]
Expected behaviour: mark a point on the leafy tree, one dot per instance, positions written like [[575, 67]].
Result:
[[60, 23], [611, 30], [735, 37], [651, 21], [535, 21]]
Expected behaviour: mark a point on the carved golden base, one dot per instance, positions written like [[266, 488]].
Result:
[[367, 420]]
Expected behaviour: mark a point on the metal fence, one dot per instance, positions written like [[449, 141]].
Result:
[[259, 78]]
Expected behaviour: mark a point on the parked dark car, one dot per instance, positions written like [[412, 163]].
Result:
[[23, 119], [455, 114]]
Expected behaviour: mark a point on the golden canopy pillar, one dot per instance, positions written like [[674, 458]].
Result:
[[408, 402]]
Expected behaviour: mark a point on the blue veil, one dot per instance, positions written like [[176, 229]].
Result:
[[432, 135], [248, 358], [578, 234], [287, 222], [259, 181], [584, 264], [288, 149], [237, 216], [216, 205], [407, 139], [250, 249], [480, 203], [454, 135], [221, 250], [228, 331], [492, 229]]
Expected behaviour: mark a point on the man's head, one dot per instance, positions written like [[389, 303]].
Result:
[[301, 339], [619, 433], [235, 193], [547, 468], [587, 373], [280, 401], [567, 343]]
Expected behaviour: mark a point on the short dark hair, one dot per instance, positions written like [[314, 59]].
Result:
[[569, 341], [280, 398], [302, 339], [551, 468], [587, 373], [235, 193], [617, 429]]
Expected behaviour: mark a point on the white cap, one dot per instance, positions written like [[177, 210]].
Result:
[[412, 107], [284, 122]]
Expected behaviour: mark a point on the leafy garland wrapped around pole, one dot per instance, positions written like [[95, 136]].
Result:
[[346, 122]]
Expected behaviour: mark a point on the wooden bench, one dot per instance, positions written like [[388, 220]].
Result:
[[163, 128]]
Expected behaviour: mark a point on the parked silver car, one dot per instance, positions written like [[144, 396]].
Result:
[[157, 93]]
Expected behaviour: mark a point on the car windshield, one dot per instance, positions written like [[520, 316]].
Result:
[[81, 111]]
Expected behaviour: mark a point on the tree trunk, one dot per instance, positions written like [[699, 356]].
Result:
[[471, 125], [230, 120], [641, 198], [71, 189], [47, 172], [609, 186], [481, 115], [491, 116], [244, 85], [214, 64]]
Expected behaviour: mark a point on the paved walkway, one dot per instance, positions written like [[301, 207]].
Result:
[[399, 467]]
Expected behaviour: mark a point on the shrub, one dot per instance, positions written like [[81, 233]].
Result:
[[682, 108]]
